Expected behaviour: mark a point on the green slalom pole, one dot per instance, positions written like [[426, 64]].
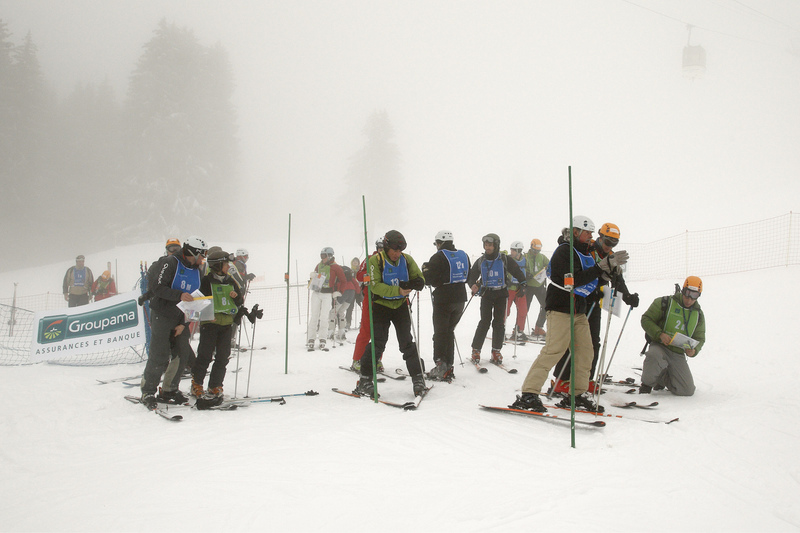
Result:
[[571, 316], [369, 302], [286, 277]]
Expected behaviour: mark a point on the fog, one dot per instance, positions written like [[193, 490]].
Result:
[[490, 104]]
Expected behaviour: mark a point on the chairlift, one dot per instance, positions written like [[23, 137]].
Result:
[[694, 59]]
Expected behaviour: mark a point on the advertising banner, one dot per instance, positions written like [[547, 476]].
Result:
[[115, 322]]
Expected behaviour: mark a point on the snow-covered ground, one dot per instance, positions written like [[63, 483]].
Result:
[[77, 457]]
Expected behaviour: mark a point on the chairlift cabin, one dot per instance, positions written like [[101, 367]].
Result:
[[694, 59]]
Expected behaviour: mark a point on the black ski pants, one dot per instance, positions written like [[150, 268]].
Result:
[[540, 293], [212, 337], [382, 317], [445, 319], [493, 310], [161, 328]]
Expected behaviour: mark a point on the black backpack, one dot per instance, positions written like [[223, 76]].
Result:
[[348, 273]]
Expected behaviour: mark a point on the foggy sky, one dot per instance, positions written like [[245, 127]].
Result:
[[491, 103]]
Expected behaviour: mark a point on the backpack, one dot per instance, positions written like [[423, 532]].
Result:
[[348, 273]]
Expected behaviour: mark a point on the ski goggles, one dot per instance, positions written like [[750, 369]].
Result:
[[173, 248], [490, 240], [609, 241], [689, 293]]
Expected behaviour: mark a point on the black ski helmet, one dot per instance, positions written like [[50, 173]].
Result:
[[493, 238], [394, 240], [217, 258]]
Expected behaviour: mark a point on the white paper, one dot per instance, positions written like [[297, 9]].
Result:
[[682, 341], [200, 308]]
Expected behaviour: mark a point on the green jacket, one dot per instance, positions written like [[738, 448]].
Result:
[[654, 320], [535, 263], [380, 290]]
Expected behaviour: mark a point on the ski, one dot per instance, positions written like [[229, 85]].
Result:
[[405, 406], [380, 380], [652, 421], [478, 367], [500, 365], [276, 398], [159, 411], [117, 380], [397, 377], [545, 416], [418, 399]]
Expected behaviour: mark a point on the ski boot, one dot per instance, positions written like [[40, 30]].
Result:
[[529, 401], [645, 389], [173, 397], [310, 345], [197, 389], [418, 382], [356, 366], [497, 358], [439, 371], [584, 402], [476, 356], [149, 401], [211, 398], [380, 367], [365, 387], [322, 345]]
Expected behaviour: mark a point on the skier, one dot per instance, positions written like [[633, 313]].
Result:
[[104, 286], [585, 275], [608, 238], [364, 331], [324, 279], [342, 305], [78, 283], [171, 248], [446, 271], [215, 334], [487, 278], [392, 277], [665, 362], [537, 279], [516, 292], [178, 277], [354, 265]]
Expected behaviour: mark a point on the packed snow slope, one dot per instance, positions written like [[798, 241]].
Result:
[[77, 457]]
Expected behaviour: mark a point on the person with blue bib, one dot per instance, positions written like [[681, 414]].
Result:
[[392, 276], [446, 271], [487, 278], [177, 278], [563, 287], [77, 285]]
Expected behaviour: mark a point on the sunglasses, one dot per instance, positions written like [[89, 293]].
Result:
[[689, 293]]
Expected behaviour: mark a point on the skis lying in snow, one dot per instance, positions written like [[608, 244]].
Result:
[[629, 405], [380, 380], [609, 415], [408, 406], [279, 399], [500, 365], [159, 411], [117, 380], [545, 416]]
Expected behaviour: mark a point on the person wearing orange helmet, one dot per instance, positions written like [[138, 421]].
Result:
[[537, 284], [607, 239], [675, 327], [104, 286]]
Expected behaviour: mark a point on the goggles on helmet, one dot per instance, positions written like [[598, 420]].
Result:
[[689, 293], [609, 241], [489, 239], [173, 248]]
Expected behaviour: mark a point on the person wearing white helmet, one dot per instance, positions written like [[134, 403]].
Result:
[[325, 279], [446, 271], [516, 291], [566, 285], [178, 277]]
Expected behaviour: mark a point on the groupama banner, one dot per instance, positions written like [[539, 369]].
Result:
[[114, 322]]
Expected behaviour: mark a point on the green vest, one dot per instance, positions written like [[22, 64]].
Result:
[[677, 320], [325, 270], [224, 308]]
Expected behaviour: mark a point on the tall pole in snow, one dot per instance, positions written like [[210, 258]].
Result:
[[368, 280], [286, 277], [571, 315]]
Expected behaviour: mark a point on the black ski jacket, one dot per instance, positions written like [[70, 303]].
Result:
[[557, 299], [437, 274]]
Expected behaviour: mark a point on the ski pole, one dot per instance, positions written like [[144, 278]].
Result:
[[566, 364], [614, 351], [250, 366], [605, 341], [416, 344], [238, 351]]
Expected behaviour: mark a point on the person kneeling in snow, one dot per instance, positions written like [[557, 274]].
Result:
[[664, 322], [215, 334]]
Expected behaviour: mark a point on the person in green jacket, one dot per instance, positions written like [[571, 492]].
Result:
[[392, 276], [536, 285], [665, 322]]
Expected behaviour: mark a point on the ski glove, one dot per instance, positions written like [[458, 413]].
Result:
[[631, 299], [251, 277], [255, 313], [337, 295], [612, 262], [416, 284], [239, 314]]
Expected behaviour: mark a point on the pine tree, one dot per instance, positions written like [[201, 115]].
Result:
[[374, 172]]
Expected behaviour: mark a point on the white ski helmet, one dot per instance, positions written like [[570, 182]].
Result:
[[241, 252], [327, 251], [517, 245], [582, 223], [444, 236], [195, 246]]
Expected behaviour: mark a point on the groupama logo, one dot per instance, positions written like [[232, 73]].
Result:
[[64, 327]]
